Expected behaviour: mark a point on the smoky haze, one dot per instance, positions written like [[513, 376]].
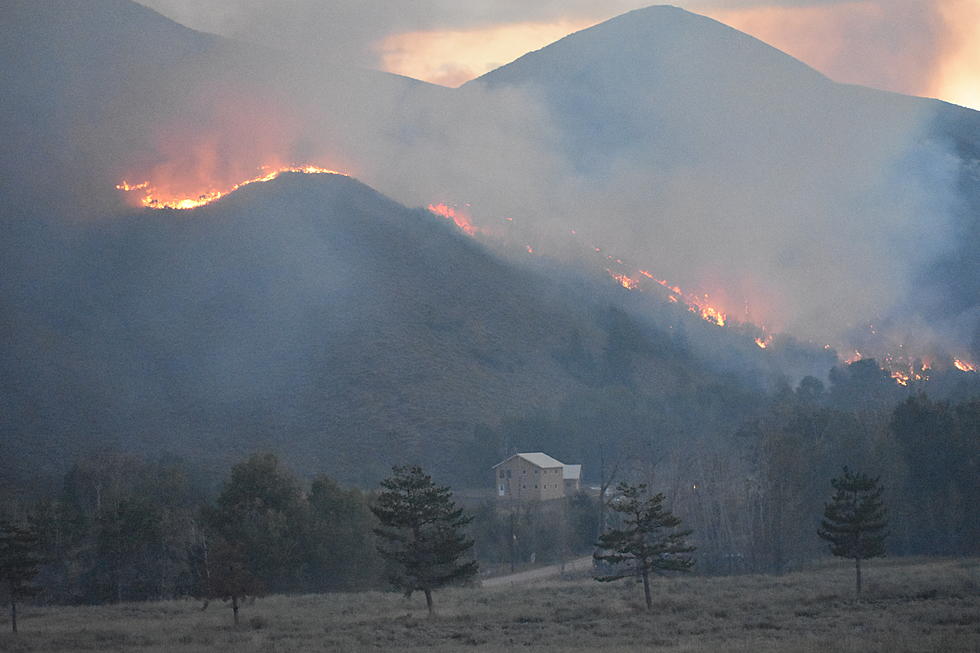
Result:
[[665, 138], [692, 151]]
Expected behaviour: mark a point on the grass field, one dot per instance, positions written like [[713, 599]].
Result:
[[908, 605]]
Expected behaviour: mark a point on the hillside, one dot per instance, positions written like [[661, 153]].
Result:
[[313, 316], [727, 165], [102, 90], [308, 315]]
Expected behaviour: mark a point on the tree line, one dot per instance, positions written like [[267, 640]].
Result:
[[421, 536], [749, 471], [123, 528]]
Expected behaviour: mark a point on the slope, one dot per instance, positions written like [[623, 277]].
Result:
[[308, 315], [735, 168]]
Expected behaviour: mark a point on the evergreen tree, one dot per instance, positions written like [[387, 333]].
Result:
[[647, 541], [19, 563], [854, 521], [421, 533]]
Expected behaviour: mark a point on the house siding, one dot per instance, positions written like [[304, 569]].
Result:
[[518, 479]]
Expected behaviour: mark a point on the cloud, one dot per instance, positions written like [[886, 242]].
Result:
[[908, 46]]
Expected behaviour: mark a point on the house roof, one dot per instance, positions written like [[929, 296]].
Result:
[[571, 472], [538, 459]]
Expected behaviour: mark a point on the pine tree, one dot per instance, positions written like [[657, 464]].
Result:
[[854, 521], [421, 533], [19, 563], [647, 541]]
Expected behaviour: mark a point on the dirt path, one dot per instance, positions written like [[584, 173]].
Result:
[[578, 564]]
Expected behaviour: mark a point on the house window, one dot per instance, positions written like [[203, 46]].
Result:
[[535, 486], [508, 473], [501, 473], [500, 490], [535, 471]]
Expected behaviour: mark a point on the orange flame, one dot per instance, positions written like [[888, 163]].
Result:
[[626, 282], [763, 343], [901, 378], [153, 199], [964, 366], [695, 303], [461, 219]]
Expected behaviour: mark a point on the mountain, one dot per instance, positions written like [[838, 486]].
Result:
[[308, 315], [314, 316], [102, 90], [726, 164]]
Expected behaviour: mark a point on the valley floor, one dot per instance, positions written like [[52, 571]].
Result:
[[909, 605]]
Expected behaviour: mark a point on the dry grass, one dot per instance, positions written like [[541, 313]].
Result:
[[917, 605]]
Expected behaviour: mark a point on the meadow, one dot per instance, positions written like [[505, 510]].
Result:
[[908, 605]]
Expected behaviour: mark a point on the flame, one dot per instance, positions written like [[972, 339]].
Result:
[[964, 366], [695, 303], [626, 282], [855, 358], [154, 199], [901, 378], [901, 368], [461, 218]]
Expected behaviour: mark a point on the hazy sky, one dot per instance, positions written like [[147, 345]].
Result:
[[920, 47]]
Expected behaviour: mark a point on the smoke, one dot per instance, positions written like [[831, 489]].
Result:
[[666, 139], [918, 47]]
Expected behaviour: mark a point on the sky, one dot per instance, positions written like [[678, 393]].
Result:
[[917, 47]]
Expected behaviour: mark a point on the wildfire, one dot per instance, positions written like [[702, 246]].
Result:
[[855, 358], [964, 366], [153, 199], [763, 343], [461, 219], [901, 378], [626, 282], [695, 303]]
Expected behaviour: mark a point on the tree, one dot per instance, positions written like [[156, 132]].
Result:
[[228, 575], [854, 521], [261, 511], [256, 533], [19, 563], [648, 539], [337, 553], [421, 533]]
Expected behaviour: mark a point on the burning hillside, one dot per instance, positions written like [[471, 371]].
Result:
[[153, 197], [902, 367]]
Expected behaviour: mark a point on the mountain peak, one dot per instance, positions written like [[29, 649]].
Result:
[[660, 41]]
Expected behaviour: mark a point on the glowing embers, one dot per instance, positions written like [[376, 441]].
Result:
[[155, 199]]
